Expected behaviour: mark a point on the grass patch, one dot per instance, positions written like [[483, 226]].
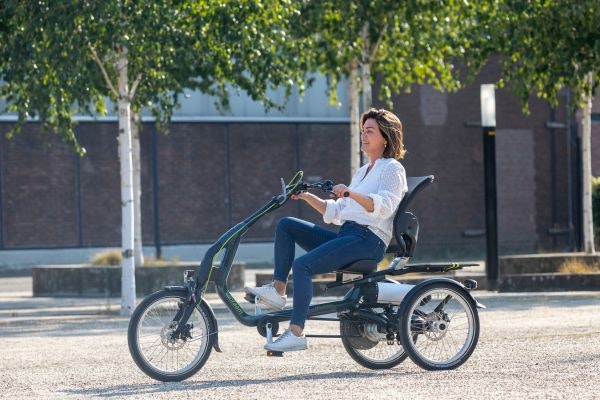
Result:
[[113, 257], [110, 257], [574, 266]]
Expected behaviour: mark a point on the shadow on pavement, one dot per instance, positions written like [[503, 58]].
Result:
[[159, 387]]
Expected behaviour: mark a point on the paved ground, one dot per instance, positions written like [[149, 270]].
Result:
[[533, 346]]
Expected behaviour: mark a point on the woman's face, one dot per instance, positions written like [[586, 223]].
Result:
[[372, 141]]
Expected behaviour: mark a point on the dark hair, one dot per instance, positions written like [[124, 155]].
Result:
[[391, 129]]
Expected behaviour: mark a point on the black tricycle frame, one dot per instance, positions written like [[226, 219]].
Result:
[[196, 282]]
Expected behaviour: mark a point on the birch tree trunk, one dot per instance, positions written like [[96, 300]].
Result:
[[365, 69], [365, 77], [354, 123], [586, 158], [138, 250], [126, 162]]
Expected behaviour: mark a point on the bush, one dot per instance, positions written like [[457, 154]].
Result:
[[110, 257], [113, 257], [574, 266]]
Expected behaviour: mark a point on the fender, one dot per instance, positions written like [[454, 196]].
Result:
[[210, 312], [212, 315], [459, 285]]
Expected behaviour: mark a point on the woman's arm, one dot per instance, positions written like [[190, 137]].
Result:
[[385, 201], [314, 201], [365, 201]]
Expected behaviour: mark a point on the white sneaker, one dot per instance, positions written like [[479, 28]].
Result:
[[288, 342], [268, 296]]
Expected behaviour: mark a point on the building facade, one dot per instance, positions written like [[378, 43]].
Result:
[[212, 170]]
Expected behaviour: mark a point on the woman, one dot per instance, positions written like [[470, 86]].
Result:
[[366, 216]]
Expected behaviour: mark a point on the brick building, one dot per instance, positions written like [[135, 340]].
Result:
[[210, 172]]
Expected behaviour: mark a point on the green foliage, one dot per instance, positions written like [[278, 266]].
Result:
[[548, 45], [404, 42], [49, 68]]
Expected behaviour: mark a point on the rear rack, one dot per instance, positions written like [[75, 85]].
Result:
[[418, 268]]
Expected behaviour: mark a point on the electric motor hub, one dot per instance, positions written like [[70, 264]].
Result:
[[372, 333]]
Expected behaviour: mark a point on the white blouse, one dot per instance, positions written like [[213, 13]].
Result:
[[385, 184]]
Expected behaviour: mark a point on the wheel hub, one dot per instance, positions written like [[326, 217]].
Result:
[[167, 340], [438, 327]]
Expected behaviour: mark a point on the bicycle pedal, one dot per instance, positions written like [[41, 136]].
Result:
[[271, 353]]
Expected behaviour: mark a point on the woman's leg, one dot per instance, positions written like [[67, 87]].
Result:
[[289, 232], [354, 244]]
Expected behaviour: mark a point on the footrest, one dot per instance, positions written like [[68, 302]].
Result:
[[271, 353]]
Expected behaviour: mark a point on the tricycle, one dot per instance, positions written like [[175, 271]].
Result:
[[381, 321]]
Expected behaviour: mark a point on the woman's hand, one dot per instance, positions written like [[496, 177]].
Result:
[[312, 200], [340, 189], [299, 196]]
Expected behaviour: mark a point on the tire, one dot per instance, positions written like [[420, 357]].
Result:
[[368, 347], [154, 353], [439, 340]]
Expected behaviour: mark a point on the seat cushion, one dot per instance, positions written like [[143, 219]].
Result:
[[360, 267]]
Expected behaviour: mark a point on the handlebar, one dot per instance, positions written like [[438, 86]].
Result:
[[296, 186], [325, 186]]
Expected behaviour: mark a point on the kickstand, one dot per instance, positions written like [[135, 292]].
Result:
[[271, 353], [257, 309], [269, 329]]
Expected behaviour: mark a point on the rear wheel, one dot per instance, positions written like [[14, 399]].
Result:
[[443, 319], [152, 345], [368, 346]]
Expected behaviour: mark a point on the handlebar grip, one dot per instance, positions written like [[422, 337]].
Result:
[[346, 194]]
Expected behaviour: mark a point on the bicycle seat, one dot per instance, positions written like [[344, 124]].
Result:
[[405, 229]]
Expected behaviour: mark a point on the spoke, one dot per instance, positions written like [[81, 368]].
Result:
[[177, 355], [442, 346]]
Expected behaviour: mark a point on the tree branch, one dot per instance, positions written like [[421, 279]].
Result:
[[377, 43], [135, 85], [104, 73]]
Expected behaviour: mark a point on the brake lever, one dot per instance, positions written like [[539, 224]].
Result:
[[281, 198]]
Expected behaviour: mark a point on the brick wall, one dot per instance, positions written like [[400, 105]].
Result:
[[442, 141], [212, 175]]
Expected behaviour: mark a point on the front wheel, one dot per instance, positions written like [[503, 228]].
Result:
[[152, 345], [443, 318]]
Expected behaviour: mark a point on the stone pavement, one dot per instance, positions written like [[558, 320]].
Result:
[[531, 346]]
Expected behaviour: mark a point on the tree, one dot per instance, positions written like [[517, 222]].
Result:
[[548, 46], [403, 42], [65, 57]]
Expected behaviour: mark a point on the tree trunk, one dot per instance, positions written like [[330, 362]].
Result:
[[354, 123], [586, 158], [138, 250], [127, 220], [365, 69], [365, 77]]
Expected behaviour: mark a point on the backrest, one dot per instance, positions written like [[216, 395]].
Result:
[[406, 225]]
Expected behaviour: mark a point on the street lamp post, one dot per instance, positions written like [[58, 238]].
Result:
[[488, 123]]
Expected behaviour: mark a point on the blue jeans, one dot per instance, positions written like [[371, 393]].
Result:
[[326, 251]]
